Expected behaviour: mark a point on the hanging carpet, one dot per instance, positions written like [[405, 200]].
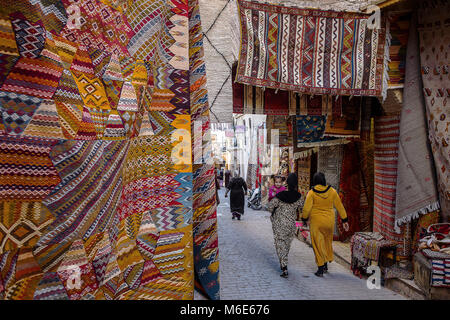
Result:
[[284, 48], [416, 184], [94, 206], [434, 36], [385, 168], [349, 191], [399, 28]]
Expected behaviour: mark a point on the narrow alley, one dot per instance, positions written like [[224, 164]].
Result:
[[249, 267]]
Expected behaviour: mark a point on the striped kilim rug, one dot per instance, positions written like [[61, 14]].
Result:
[[385, 168], [282, 48]]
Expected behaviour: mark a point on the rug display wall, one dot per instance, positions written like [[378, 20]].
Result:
[[98, 196]]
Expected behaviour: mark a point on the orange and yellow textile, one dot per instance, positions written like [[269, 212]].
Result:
[[98, 195]]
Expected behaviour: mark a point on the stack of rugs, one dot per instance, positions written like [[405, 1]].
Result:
[[98, 100], [440, 268], [435, 246], [365, 248]]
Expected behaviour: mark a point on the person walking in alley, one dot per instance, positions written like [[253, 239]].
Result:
[[283, 208], [277, 187], [226, 180], [238, 189], [217, 190], [318, 207], [221, 177]]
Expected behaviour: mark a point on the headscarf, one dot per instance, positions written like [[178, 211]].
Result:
[[291, 195]]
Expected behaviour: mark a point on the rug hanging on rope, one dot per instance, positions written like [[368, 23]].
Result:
[[434, 33], [416, 192], [284, 48]]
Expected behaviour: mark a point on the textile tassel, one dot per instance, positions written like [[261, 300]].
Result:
[[306, 153], [324, 143], [415, 215]]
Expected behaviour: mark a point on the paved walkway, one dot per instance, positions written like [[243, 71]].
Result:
[[249, 267]]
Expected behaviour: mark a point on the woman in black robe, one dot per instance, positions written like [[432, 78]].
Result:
[[227, 178], [238, 189]]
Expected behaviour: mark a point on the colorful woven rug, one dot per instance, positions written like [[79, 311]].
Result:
[[365, 247], [399, 27], [421, 226], [416, 183], [206, 251], [366, 158], [284, 126], [434, 33], [344, 120], [282, 48], [385, 168], [310, 132], [440, 276], [349, 190], [97, 185]]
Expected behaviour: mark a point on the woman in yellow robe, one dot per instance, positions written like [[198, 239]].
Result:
[[318, 207]]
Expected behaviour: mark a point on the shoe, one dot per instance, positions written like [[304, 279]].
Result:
[[234, 216], [319, 272], [284, 274], [239, 218], [325, 268]]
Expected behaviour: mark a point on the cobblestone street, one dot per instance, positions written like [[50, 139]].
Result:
[[249, 267]]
